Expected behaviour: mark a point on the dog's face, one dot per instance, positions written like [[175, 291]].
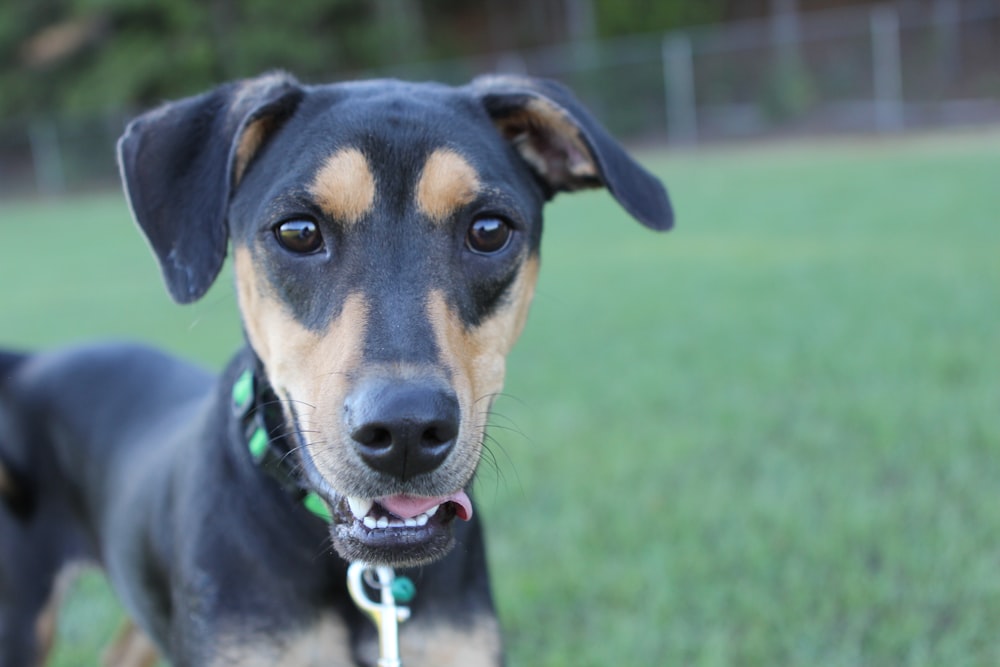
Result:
[[384, 267], [385, 240]]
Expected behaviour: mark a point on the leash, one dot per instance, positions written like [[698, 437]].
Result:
[[258, 409], [385, 614]]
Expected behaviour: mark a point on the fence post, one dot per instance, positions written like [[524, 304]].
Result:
[[46, 157], [678, 85], [887, 69], [946, 16]]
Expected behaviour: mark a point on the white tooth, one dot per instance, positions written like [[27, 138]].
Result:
[[432, 511], [382, 522], [369, 523], [422, 520], [360, 506], [410, 523], [396, 523]]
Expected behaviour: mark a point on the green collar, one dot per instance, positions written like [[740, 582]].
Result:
[[256, 405]]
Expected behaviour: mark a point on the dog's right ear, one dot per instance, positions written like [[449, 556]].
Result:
[[181, 163], [567, 148]]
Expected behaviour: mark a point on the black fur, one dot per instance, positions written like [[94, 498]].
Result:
[[124, 456]]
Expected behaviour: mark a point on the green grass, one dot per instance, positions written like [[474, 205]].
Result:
[[771, 437]]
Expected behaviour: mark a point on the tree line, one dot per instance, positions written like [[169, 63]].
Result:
[[82, 56]]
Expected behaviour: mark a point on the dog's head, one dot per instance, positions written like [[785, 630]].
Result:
[[385, 240]]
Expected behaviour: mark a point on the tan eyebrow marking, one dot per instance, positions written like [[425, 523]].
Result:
[[344, 187], [447, 182]]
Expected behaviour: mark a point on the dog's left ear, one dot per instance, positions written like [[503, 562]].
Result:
[[181, 163], [567, 148]]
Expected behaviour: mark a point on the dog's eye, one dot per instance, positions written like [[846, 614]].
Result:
[[488, 235], [299, 236]]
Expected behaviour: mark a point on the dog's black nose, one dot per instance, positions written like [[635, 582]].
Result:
[[402, 428]]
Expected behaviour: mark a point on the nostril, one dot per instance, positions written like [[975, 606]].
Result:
[[440, 433], [374, 436], [402, 428]]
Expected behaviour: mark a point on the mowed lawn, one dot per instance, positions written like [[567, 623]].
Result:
[[770, 437]]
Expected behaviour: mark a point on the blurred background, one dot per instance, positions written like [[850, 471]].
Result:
[[677, 71], [769, 437]]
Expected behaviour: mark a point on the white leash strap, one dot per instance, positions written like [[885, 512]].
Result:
[[386, 614]]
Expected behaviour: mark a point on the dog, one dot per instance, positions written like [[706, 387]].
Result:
[[384, 238]]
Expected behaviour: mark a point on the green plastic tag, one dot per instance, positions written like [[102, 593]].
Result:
[[243, 389], [317, 506], [403, 589], [258, 444]]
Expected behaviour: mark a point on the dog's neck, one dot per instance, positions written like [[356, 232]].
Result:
[[263, 432], [272, 491], [266, 435]]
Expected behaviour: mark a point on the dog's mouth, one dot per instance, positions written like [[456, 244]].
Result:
[[397, 530], [395, 512]]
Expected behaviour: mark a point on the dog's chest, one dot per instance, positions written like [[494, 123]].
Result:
[[328, 644], [324, 644], [434, 643]]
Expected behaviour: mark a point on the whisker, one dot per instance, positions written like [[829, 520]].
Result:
[[288, 401], [488, 457], [325, 547], [502, 394], [317, 445], [509, 429]]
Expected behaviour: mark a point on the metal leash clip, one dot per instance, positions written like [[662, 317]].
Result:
[[386, 614]]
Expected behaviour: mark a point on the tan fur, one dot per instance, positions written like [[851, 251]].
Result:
[[309, 370], [477, 357], [434, 644], [447, 182], [130, 648], [345, 186], [541, 123], [255, 132], [47, 621], [326, 644], [248, 145], [314, 372]]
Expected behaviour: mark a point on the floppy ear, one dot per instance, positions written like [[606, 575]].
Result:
[[180, 164], [567, 148]]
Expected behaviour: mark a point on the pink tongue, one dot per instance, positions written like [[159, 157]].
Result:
[[407, 507]]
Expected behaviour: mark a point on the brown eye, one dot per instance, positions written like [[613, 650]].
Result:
[[299, 236], [488, 235]]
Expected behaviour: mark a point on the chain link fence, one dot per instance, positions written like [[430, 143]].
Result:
[[886, 68]]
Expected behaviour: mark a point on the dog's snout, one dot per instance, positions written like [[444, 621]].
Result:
[[402, 429]]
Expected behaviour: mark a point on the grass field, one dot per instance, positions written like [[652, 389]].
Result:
[[770, 437]]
